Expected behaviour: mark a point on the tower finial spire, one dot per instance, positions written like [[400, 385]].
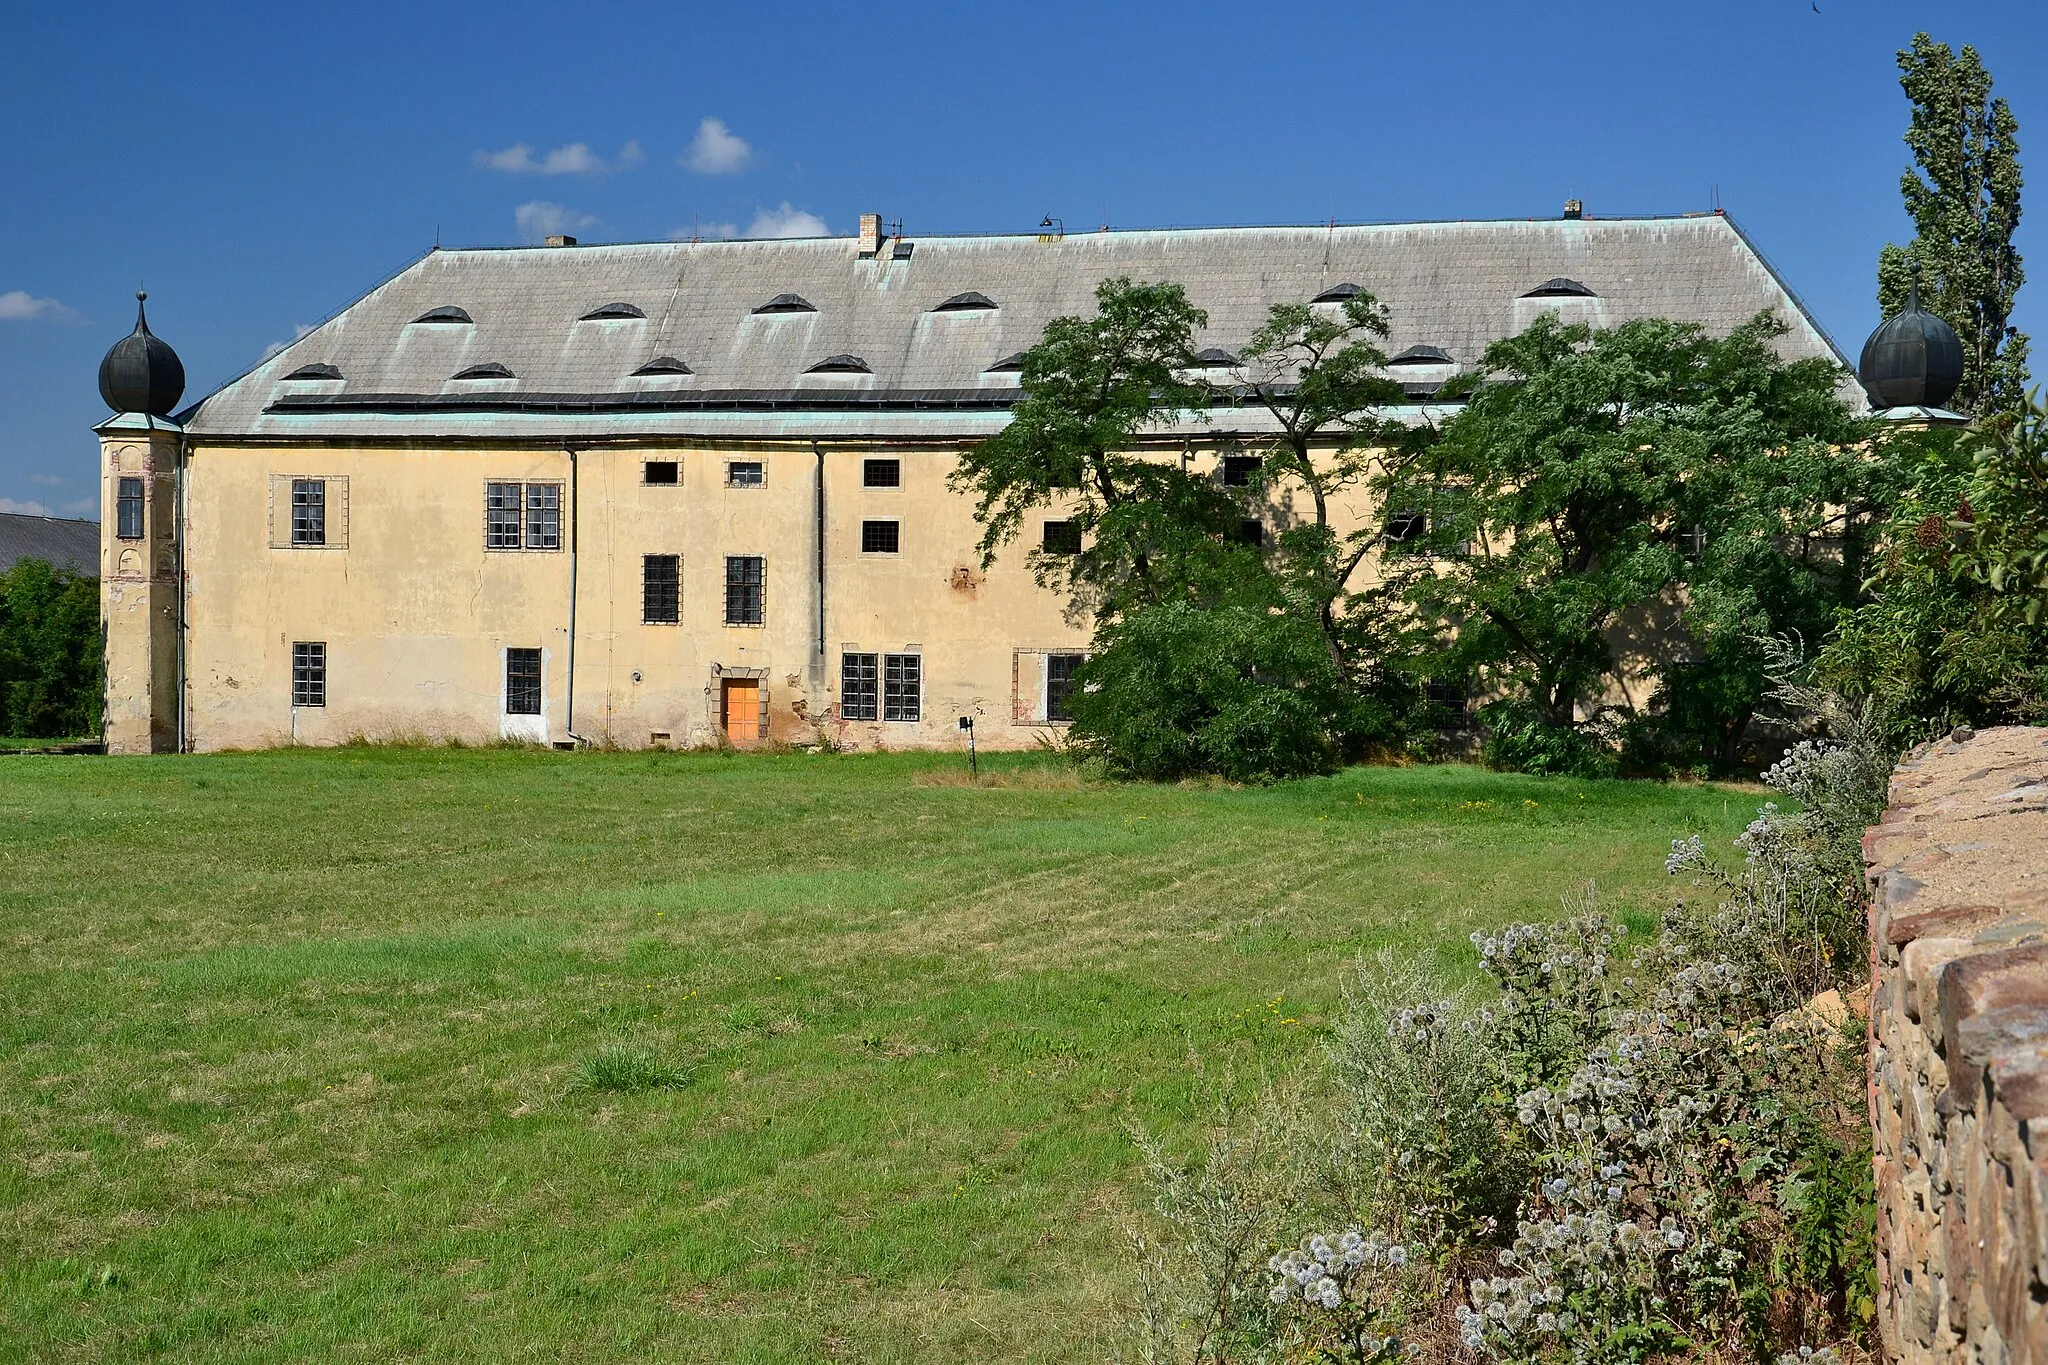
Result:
[[1913, 289]]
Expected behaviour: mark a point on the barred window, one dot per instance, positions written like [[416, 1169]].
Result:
[[1250, 531], [501, 516], [1062, 538], [522, 682], [859, 687], [1059, 685], [745, 474], [309, 511], [660, 471], [128, 509], [879, 537], [661, 589], [1239, 469], [881, 473], [543, 516], [309, 673], [902, 687], [745, 590]]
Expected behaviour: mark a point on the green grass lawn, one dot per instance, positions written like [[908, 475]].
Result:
[[299, 1048]]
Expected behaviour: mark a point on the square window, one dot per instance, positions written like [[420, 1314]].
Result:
[[1062, 538], [1251, 532], [309, 511], [660, 471], [1450, 693], [309, 673], [128, 509], [1059, 685], [881, 473], [746, 474], [661, 589], [522, 682], [1405, 527], [543, 516], [501, 516], [745, 590], [902, 687], [859, 687], [1239, 469], [879, 537]]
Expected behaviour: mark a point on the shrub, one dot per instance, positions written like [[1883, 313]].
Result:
[[1519, 740]]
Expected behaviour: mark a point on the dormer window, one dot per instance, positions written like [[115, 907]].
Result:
[[315, 372], [1559, 287], [787, 303], [612, 312], [969, 302], [488, 370], [1009, 364], [664, 364], [1422, 355], [1338, 293], [840, 364], [446, 315], [1214, 358]]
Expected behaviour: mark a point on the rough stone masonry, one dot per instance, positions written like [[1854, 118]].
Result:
[[1959, 1050]]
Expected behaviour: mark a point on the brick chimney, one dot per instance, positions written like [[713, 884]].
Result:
[[870, 235]]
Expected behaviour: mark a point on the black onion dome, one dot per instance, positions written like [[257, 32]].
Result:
[[141, 372], [1912, 360]]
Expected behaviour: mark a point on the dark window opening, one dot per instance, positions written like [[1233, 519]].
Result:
[[1250, 532], [543, 516], [501, 516], [1692, 544], [1450, 693], [522, 682], [1238, 470], [1062, 538], [1558, 287], [881, 473], [444, 314], [309, 512], [1407, 526], [841, 364], [309, 673], [660, 471], [1059, 685], [661, 589], [664, 364], [1338, 294], [128, 509], [745, 590], [745, 474], [612, 310], [786, 303], [315, 372], [902, 687], [1214, 358], [879, 537], [1009, 364], [860, 696], [490, 369], [970, 302]]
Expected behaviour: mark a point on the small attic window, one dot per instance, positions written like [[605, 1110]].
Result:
[[969, 302], [787, 303], [314, 372], [1009, 364], [664, 364], [490, 369], [1214, 358], [1422, 355], [840, 364], [1338, 293], [611, 311], [446, 313], [901, 251], [1560, 288]]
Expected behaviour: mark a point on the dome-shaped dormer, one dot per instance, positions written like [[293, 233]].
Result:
[[141, 373], [1913, 360]]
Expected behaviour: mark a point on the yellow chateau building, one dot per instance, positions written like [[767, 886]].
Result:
[[679, 494]]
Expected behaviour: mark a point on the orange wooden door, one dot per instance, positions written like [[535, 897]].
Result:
[[742, 710]]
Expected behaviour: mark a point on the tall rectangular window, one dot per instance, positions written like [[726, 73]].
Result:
[[860, 695], [522, 682], [902, 687], [879, 537], [1059, 685], [543, 516], [881, 473], [128, 509], [309, 673], [309, 511], [501, 516], [745, 590], [661, 589], [1062, 538]]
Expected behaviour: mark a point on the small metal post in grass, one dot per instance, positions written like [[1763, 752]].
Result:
[[973, 763]]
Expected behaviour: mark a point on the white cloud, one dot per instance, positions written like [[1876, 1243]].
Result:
[[298, 330], [574, 159], [538, 218], [706, 232], [787, 221], [717, 150], [26, 509], [46, 480], [83, 507], [18, 305]]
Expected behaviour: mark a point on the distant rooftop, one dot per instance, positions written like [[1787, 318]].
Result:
[[63, 542]]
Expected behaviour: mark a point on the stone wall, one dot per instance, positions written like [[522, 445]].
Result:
[[1959, 1050]]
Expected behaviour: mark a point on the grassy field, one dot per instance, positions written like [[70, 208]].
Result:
[[307, 1054]]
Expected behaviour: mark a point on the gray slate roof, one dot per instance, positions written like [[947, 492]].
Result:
[[64, 543], [1457, 286]]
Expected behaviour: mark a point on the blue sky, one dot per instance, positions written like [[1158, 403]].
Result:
[[260, 166]]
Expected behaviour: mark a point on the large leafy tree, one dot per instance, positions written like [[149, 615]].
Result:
[[50, 657], [1649, 497], [1964, 198]]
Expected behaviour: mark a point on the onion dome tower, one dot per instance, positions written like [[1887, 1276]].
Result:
[[141, 373], [1913, 360]]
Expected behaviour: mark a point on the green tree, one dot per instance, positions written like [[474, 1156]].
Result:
[[50, 657], [1964, 200], [1646, 493]]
